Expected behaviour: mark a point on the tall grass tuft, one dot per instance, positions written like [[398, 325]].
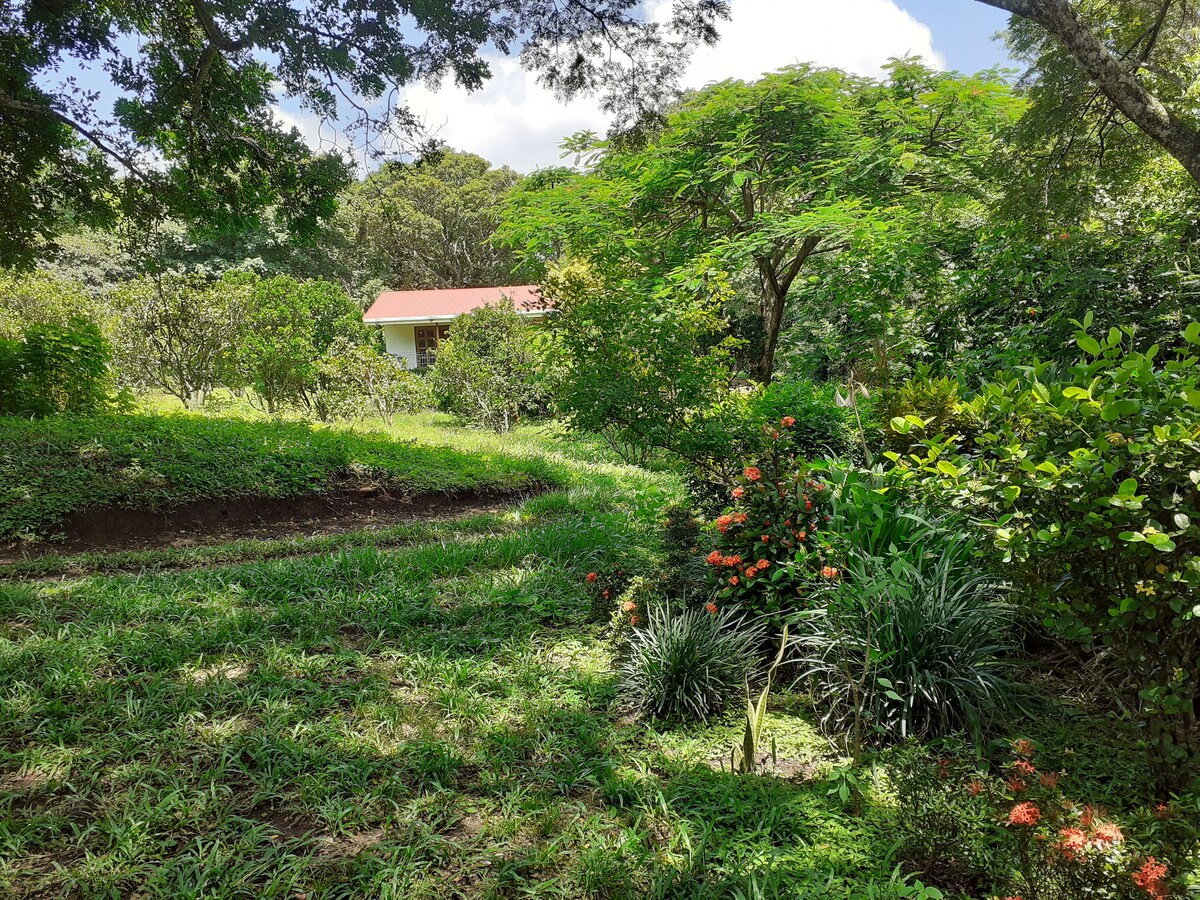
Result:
[[688, 665], [917, 641]]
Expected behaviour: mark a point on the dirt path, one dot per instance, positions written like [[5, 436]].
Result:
[[214, 522]]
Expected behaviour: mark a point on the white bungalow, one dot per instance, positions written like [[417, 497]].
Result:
[[414, 322]]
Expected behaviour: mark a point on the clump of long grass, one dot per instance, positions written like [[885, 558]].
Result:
[[688, 665], [915, 640]]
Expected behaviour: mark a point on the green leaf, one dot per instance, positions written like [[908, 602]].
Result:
[[1191, 334], [1088, 344]]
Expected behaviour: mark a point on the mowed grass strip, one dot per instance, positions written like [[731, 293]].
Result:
[[50, 468], [430, 721]]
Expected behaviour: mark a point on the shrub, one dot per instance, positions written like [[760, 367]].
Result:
[[691, 664], [1022, 834], [177, 333], [914, 642], [1088, 480], [767, 553], [360, 381], [486, 372], [55, 368], [739, 427], [936, 402]]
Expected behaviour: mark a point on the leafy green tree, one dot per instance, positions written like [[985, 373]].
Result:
[[287, 327], [429, 224], [639, 369], [198, 80], [766, 177], [486, 371], [176, 333], [1139, 55]]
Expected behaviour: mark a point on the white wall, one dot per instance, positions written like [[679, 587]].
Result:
[[402, 342]]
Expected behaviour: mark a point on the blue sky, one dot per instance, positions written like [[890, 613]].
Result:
[[962, 31]]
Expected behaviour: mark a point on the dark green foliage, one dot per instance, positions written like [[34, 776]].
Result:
[[56, 466], [688, 665], [1088, 479], [55, 369]]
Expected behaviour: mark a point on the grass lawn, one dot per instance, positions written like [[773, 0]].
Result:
[[428, 714], [53, 467]]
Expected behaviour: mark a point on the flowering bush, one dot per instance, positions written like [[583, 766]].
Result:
[[768, 555], [1020, 834]]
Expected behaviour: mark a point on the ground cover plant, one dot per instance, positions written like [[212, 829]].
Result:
[[53, 467]]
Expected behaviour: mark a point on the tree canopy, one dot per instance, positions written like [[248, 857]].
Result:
[[194, 133]]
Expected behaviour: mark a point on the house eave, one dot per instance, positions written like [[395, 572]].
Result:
[[439, 320]]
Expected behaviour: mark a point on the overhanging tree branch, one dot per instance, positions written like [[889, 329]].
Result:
[[1117, 82]]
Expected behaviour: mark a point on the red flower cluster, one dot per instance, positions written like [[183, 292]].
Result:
[[1024, 814], [715, 558], [591, 577], [1151, 878], [737, 492], [787, 421], [711, 607], [723, 523], [752, 472], [829, 572]]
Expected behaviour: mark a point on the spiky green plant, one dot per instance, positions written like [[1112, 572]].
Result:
[[690, 665], [918, 642]]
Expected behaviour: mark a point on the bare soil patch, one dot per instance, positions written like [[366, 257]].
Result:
[[206, 522]]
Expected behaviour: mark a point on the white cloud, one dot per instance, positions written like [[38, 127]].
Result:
[[764, 35], [511, 121], [514, 121]]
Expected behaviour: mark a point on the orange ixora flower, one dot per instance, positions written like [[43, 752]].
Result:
[[1023, 767], [737, 492], [628, 606], [734, 580], [1072, 842], [715, 558], [752, 472], [723, 523], [1150, 878], [633, 620], [740, 518], [1022, 747], [762, 564], [734, 560], [1024, 814], [1107, 834], [711, 607], [787, 421], [829, 572], [591, 577], [974, 787]]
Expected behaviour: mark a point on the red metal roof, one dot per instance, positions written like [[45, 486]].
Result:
[[393, 305]]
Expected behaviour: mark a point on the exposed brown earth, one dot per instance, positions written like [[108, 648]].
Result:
[[206, 522]]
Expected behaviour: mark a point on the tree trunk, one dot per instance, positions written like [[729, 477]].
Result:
[[773, 303], [1119, 84]]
